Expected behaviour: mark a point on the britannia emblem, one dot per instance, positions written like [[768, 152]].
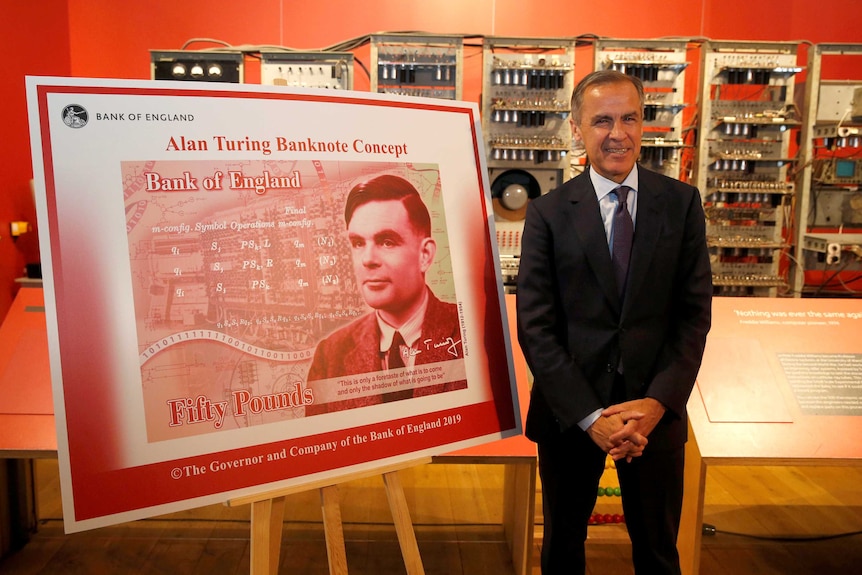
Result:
[[75, 116]]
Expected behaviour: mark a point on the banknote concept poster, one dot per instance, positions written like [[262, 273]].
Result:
[[248, 288]]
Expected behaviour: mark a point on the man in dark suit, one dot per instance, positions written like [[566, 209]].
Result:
[[614, 349], [389, 229]]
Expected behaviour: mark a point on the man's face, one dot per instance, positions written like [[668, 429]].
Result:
[[389, 259], [610, 128]]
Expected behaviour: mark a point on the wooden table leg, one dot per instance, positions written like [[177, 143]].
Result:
[[519, 508], [691, 525]]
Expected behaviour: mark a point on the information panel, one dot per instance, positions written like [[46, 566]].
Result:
[[250, 288], [771, 360]]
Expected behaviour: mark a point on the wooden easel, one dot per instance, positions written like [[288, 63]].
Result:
[[267, 516]]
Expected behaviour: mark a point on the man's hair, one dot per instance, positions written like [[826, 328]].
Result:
[[390, 188], [602, 78]]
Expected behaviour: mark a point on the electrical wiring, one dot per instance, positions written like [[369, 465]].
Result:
[[363, 66], [345, 46], [825, 282], [191, 41], [711, 530], [840, 282], [846, 284], [253, 50]]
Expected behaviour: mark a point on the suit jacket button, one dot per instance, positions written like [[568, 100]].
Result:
[[610, 368]]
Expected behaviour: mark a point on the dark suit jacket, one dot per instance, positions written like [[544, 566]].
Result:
[[355, 349], [571, 324]]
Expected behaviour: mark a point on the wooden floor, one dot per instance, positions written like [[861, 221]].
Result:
[[456, 512]]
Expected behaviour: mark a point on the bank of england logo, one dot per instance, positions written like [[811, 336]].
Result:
[[75, 116]]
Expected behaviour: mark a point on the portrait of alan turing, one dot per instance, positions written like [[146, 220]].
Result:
[[389, 230]]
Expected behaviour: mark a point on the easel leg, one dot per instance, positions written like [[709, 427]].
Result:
[[403, 524], [333, 530], [266, 526], [267, 517]]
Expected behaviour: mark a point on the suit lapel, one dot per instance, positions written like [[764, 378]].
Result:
[[364, 355], [587, 224], [651, 207]]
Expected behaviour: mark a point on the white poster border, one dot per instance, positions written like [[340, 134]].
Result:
[[89, 291]]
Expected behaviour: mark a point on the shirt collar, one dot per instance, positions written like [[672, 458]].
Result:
[[410, 330], [604, 186]]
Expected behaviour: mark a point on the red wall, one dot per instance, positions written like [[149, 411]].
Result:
[[106, 38], [35, 41]]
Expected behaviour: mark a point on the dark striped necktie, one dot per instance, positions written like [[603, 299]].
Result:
[[623, 233]]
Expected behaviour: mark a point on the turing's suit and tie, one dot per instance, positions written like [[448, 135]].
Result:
[[587, 349], [355, 349]]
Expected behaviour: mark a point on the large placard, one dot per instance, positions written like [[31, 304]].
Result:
[[221, 266], [783, 360]]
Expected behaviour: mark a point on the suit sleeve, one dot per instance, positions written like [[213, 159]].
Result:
[[559, 383], [679, 358]]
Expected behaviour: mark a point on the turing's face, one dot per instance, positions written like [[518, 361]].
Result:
[[610, 128], [390, 259]]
